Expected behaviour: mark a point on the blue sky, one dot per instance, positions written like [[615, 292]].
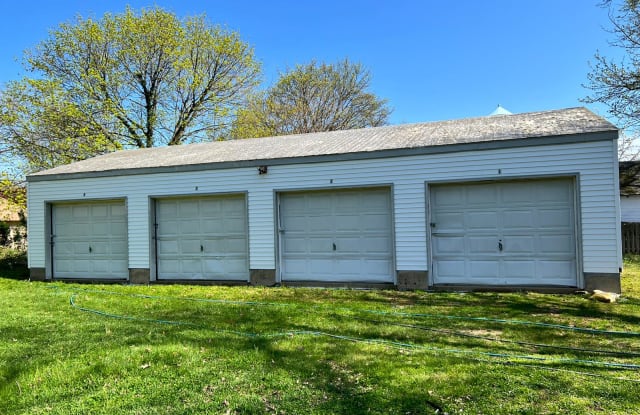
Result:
[[431, 59]]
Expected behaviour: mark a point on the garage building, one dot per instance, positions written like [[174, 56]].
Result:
[[518, 201]]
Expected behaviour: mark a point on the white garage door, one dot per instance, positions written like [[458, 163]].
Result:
[[506, 233], [90, 240], [203, 238], [341, 236]]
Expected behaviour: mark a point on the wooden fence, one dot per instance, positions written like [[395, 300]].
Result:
[[630, 238]]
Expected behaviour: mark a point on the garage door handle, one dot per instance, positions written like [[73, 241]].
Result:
[[500, 245], [334, 247], [201, 248], [89, 249]]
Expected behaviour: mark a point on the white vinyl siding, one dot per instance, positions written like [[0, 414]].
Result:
[[591, 161], [90, 240], [630, 208], [336, 236], [202, 238]]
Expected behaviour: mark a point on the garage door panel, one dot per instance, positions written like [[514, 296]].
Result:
[[348, 269], [481, 195], [483, 269], [555, 269], [79, 265], [213, 226], [448, 221], [296, 224], [316, 245], [347, 223], [556, 244], [353, 245], [534, 221], [518, 219], [296, 266], [214, 266], [231, 206], [170, 228], [206, 241], [481, 220], [348, 201], [99, 211], [167, 209], [449, 197], [376, 268], [452, 269], [90, 241], [520, 270], [315, 223], [169, 266], [81, 229], [444, 245], [377, 244], [302, 245], [520, 244], [189, 246], [63, 213], [189, 226], [235, 225], [319, 268], [80, 212], [340, 235], [99, 228], [99, 248], [188, 209], [77, 248], [554, 218], [208, 208], [518, 193], [167, 247], [101, 265], [482, 244]]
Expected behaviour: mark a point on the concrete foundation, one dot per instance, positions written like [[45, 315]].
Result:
[[413, 280], [37, 274], [139, 275], [262, 277], [604, 282]]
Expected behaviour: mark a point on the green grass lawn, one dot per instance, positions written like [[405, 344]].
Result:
[[80, 349]]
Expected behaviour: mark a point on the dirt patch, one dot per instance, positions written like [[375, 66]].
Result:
[[483, 333]]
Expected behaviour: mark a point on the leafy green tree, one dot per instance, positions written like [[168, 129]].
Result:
[[126, 80], [311, 98], [41, 127]]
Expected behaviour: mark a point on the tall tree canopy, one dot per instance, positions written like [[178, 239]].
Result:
[[617, 83], [310, 98], [126, 80]]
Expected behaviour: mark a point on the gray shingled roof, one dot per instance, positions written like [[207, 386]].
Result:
[[443, 136]]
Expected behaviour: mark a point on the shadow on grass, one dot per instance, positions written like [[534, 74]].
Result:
[[342, 376]]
